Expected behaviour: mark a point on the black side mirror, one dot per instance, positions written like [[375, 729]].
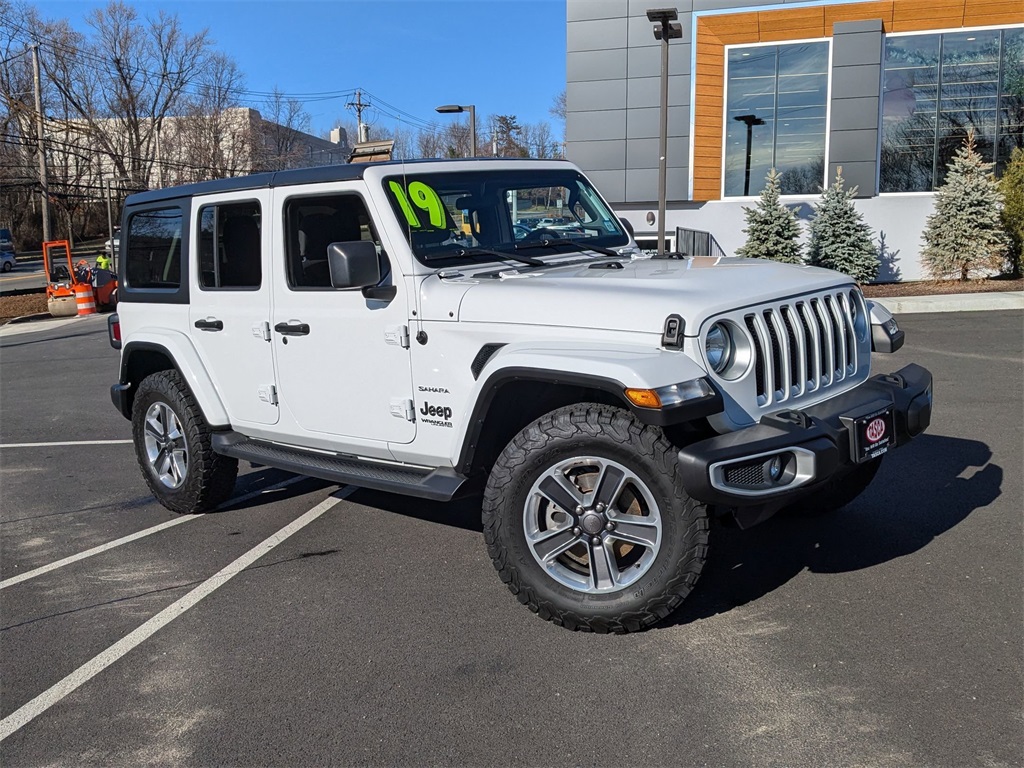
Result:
[[353, 264], [627, 226]]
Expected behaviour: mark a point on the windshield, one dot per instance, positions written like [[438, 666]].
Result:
[[448, 213]]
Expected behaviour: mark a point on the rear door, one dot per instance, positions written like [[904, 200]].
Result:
[[229, 314]]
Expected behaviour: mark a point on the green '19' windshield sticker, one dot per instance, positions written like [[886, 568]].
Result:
[[422, 197]]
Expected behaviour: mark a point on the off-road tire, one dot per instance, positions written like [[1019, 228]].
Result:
[[210, 477], [594, 430], [837, 493]]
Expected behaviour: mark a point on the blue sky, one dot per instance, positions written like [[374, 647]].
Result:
[[504, 56]]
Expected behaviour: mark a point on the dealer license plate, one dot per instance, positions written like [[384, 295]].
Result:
[[873, 434]]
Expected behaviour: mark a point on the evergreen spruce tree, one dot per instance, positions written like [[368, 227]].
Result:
[[964, 235], [1012, 186], [772, 229], [840, 238]]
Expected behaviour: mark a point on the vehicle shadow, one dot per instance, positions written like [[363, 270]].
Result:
[[463, 512], [920, 492]]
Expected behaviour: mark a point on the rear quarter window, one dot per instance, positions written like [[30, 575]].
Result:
[[153, 253]]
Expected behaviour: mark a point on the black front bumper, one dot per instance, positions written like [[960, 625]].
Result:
[[815, 443]]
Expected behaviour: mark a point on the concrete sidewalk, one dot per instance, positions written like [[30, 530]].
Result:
[[953, 302], [46, 324]]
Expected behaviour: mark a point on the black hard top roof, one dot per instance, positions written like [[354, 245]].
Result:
[[295, 176]]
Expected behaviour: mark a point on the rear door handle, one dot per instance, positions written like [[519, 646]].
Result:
[[210, 325], [292, 329]]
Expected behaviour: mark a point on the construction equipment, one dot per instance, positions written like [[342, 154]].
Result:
[[60, 279], [70, 285]]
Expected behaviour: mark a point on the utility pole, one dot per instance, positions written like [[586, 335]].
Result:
[[361, 130], [159, 159], [110, 221], [41, 146]]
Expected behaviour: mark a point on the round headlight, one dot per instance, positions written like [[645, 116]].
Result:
[[718, 347]]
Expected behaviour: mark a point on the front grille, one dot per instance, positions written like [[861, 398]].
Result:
[[802, 346]]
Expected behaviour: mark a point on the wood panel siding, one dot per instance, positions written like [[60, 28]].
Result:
[[716, 31]]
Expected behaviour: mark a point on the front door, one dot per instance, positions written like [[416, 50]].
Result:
[[343, 359], [229, 312]]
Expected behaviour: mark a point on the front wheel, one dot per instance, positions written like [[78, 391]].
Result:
[[173, 447], [587, 523]]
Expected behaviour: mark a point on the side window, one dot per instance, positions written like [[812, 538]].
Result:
[[153, 256], [229, 246], [312, 224]]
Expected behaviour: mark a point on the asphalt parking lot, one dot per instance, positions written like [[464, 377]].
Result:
[[378, 633]]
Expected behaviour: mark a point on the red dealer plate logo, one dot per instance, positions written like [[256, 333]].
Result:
[[875, 430]]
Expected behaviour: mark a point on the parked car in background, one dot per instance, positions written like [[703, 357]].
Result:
[[7, 252], [113, 245]]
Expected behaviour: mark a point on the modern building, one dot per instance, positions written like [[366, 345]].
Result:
[[885, 90]]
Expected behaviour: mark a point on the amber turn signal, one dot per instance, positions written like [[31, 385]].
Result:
[[645, 398]]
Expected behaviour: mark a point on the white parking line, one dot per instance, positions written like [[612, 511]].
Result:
[[97, 664], [135, 536], [68, 442]]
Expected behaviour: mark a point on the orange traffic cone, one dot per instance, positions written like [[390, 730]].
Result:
[[85, 298]]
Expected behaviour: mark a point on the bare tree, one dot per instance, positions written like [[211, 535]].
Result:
[[557, 108], [214, 133], [284, 120], [19, 180], [429, 142], [539, 141], [123, 81]]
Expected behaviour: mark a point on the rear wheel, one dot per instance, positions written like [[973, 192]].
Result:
[[587, 523], [173, 447]]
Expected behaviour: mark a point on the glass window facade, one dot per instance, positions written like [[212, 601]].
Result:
[[776, 116], [936, 87]]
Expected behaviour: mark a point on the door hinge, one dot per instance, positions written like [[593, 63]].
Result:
[[262, 330], [268, 394], [397, 335], [403, 408]]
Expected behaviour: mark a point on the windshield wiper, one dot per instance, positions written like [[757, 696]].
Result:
[[469, 253], [549, 242]]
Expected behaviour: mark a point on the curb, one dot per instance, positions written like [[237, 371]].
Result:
[[953, 302], [28, 318], [12, 328]]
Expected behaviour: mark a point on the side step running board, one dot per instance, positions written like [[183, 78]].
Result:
[[438, 485]]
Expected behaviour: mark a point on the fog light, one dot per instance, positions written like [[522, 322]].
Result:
[[775, 468]]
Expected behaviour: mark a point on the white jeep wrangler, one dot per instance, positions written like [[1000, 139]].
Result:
[[387, 326]]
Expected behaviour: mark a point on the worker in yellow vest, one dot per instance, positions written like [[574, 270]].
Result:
[[104, 262]]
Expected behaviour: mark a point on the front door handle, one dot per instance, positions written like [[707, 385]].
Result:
[[210, 325], [292, 329]]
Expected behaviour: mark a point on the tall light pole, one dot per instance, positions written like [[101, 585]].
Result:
[[665, 29], [751, 121], [448, 109]]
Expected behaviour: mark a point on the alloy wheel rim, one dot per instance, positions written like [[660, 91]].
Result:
[[166, 449], [592, 524]]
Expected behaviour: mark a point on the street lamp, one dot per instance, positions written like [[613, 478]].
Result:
[[458, 108], [665, 29], [751, 121]]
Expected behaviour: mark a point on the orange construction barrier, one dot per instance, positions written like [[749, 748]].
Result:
[[85, 298]]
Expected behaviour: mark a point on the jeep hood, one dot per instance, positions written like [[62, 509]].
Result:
[[637, 297]]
